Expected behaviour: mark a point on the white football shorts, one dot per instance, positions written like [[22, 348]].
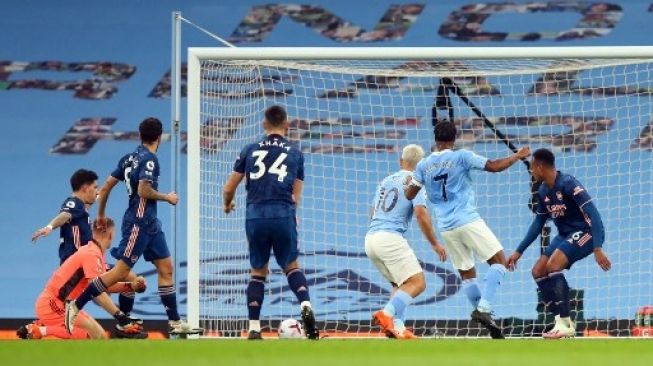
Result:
[[392, 256], [468, 240]]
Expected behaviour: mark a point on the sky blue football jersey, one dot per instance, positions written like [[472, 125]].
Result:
[[445, 176], [392, 210]]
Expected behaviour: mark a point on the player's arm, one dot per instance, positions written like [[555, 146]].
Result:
[[298, 185], [588, 208], [499, 165], [137, 285], [297, 188], [103, 196], [146, 191], [229, 191], [59, 220], [414, 183], [424, 221], [533, 232]]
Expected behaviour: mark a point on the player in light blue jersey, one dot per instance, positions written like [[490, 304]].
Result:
[[386, 246], [445, 174]]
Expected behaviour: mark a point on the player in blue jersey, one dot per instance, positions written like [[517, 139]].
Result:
[[274, 171], [141, 229], [386, 246], [74, 221], [564, 200], [73, 218], [445, 174]]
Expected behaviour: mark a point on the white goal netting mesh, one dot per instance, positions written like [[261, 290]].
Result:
[[351, 119]]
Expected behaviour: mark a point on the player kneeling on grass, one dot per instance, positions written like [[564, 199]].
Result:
[[386, 246], [68, 281], [563, 199]]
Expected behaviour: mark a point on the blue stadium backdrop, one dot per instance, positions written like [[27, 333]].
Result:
[[76, 77]]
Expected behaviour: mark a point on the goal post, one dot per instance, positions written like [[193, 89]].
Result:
[[351, 110]]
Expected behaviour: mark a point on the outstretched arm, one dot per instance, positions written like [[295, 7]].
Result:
[[533, 231], [57, 221], [499, 165], [424, 221], [229, 191]]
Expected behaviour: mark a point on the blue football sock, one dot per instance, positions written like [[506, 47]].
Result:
[[94, 289], [561, 290], [400, 319], [398, 303], [168, 296], [255, 294], [126, 302], [548, 295], [298, 284], [491, 283], [472, 291]]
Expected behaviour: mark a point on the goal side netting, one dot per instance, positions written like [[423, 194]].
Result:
[[352, 114]]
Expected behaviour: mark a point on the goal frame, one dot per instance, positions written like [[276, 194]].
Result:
[[197, 54]]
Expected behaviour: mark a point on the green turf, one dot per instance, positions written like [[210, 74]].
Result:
[[332, 352]]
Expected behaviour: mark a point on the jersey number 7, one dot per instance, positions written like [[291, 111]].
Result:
[[443, 178], [277, 167]]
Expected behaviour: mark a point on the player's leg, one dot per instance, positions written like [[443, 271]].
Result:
[[480, 240], [541, 276], [258, 238], [284, 245], [462, 259], [394, 257], [372, 243], [50, 312], [126, 299], [86, 326], [157, 252], [478, 236], [575, 247]]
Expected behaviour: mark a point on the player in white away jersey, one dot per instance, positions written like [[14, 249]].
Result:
[[446, 176], [386, 246]]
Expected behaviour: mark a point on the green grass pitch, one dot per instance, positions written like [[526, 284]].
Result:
[[332, 352]]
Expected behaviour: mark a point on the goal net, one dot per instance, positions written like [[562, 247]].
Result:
[[352, 110]]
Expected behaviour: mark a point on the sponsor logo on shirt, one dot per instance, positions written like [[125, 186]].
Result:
[[578, 190]]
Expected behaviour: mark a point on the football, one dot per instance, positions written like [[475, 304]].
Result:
[[291, 329]]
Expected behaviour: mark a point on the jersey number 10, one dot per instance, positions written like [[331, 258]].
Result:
[[278, 167]]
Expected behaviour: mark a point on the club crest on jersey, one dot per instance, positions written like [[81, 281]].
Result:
[[559, 195], [70, 204], [134, 258], [149, 165]]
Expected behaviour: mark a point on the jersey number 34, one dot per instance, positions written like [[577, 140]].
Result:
[[278, 167]]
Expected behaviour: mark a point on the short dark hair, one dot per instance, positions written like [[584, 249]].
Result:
[[276, 115], [445, 131], [108, 224], [545, 156], [81, 178], [150, 129]]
